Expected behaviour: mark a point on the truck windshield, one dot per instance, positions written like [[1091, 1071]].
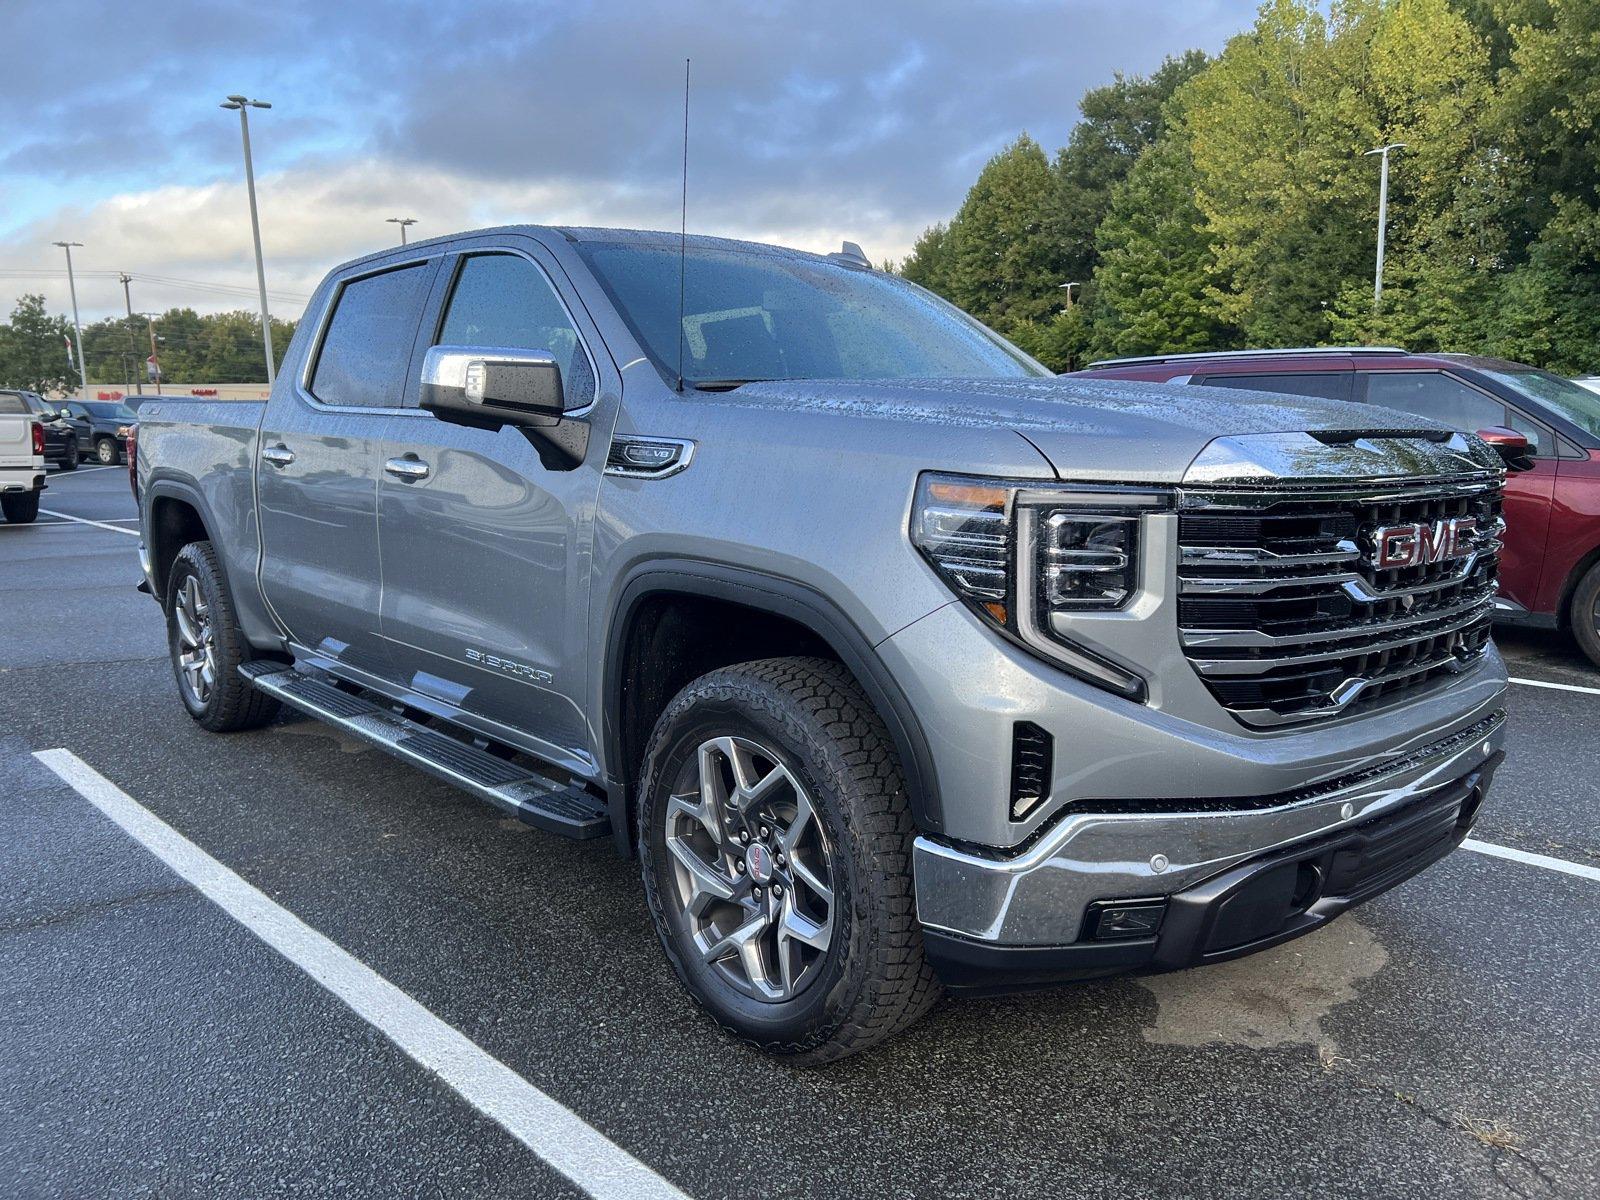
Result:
[[750, 315], [1561, 396]]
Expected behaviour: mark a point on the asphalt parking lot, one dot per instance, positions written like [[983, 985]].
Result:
[[1442, 1040]]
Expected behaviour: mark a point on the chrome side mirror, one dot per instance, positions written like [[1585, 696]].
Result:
[[490, 386]]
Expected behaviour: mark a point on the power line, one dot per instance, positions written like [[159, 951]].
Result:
[[164, 280]]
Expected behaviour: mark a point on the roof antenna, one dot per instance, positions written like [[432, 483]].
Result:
[[683, 221]]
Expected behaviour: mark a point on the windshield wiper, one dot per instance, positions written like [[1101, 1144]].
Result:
[[724, 385]]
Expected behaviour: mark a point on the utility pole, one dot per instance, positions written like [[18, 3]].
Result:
[[1067, 287], [127, 298], [402, 222], [77, 325], [244, 106], [1383, 216]]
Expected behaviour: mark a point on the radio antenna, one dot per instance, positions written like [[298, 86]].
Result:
[[683, 222]]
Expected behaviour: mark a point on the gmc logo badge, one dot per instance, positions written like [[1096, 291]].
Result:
[[1417, 545]]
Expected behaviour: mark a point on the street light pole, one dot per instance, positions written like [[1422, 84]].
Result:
[[1383, 216], [1067, 287], [77, 325], [402, 222], [127, 298], [244, 106]]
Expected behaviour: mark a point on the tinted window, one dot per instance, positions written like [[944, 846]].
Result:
[[1430, 394], [109, 412], [1330, 385], [367, 348], [1538, 436], [751, 313], [10, 402], [501, 300]]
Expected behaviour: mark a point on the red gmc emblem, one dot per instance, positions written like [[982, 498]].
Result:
[[1429, 542]]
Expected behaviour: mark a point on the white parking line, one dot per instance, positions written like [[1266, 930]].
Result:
[[85, 521], [551, 1130], [1559, 687], [1533, 860], [54, 475]]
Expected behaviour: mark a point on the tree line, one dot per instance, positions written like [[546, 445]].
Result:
[[191, 347], [1224, 203]]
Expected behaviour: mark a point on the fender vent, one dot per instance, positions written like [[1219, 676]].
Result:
[[1032, 758]]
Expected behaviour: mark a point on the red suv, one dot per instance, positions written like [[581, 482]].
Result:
[[1550, 568]]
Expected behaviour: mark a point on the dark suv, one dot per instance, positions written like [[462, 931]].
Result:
[[101, 426], [1550, 568], [60, 439]]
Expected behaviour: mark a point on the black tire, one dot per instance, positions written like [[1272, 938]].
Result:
[[107, 452], [1585, 613], [69, 461], [228, 703], [20, 508], [808, 716]]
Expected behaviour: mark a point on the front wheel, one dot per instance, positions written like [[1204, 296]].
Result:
[[207, 646], [775, 842], [105, 450], [69, 461], [1585, 614]]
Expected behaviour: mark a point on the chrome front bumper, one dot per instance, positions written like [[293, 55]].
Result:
[[1038, 897]]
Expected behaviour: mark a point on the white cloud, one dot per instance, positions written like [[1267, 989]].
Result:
[[320, 214]]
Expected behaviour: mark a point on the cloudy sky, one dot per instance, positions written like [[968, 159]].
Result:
[[812, 122]]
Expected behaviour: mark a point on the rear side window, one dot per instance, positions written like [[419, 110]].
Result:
[[367, 348], [11, 403], [504, 301], [1431, 394], [1330, 385]]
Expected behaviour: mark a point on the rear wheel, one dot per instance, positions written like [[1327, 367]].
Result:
[[20, 508], [207, 646], [105, 450], [1585, 614], [775, 841]]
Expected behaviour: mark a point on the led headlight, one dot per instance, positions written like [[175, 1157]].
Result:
[[1024, 554]]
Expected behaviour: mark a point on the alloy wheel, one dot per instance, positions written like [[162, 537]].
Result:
[[752, 867], [197, 642]]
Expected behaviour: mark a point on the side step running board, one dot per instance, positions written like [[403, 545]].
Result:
[[541, 801]]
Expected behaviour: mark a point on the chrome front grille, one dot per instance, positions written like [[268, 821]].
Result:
[[1286, 614]]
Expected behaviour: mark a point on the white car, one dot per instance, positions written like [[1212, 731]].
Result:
[[21, 461], [1592, 382]]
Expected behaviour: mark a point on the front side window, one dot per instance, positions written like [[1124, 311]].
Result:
[[1432, 394], [754, 314], [505, 301], [367, 347]]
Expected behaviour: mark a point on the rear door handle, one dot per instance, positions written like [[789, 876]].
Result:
[[279, 455], [410, 468]]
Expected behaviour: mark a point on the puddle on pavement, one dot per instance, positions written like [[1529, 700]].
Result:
[[1275, 998]]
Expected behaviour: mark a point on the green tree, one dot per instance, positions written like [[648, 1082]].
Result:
[[1155, 262], [33, 349]]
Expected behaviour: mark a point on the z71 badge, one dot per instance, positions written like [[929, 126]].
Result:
[[493, 662]]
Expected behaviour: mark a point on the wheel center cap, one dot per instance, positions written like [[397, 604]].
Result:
[[758, 861]]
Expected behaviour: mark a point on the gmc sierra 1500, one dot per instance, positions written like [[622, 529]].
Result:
[[900, 663]]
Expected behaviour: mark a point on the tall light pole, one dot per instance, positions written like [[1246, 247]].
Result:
[[244, 106], [77, 325], [1383, 216], [402, 222]]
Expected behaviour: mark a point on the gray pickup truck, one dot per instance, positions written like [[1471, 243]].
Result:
[[900, 663]]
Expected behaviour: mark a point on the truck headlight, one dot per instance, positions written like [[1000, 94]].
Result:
[[1081, 550]]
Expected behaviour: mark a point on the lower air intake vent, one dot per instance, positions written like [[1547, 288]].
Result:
[[1032, 757]]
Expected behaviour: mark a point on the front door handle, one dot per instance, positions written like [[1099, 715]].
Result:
[[410, 468], [279, 455]]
